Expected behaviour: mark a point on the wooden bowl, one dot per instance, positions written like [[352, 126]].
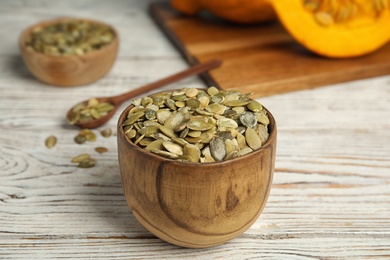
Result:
[[71, 70], [195, 205]]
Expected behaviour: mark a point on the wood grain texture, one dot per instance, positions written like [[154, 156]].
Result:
[[330, 197], [263, 59]]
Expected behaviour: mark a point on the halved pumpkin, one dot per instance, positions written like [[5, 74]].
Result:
[[342, 28], [239, 11]]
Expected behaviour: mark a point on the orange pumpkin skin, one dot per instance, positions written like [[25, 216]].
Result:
[[363, 33], [238, 11]]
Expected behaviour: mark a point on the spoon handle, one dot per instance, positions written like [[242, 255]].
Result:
[[194, 70]]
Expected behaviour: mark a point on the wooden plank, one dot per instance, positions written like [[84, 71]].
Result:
[[263, 59]]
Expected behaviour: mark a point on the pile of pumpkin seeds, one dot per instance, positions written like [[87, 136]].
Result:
[[91, 110], [327, 12], [197, 126], [70, 37]]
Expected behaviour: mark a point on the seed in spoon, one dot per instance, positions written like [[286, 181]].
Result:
[[88, 111]]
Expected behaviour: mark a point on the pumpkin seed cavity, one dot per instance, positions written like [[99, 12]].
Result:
[[193, 125], [327, 13]]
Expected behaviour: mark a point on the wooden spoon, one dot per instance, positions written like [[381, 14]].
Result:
[[116, 101]]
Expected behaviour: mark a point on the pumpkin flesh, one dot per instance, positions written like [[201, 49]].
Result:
[[362, 30]]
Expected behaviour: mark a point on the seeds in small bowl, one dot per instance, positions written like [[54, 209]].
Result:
[[196, 125], [69, 37]]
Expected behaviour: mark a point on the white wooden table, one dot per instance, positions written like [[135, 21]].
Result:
[[330, 197]]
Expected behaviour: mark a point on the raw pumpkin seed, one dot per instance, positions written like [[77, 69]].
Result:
[[106, 132], [248, 119], [329, 12], [87, 163], [218, 148], [165, 154], [101, 149], [80, 157], [173, 148], [51, 141], [252, 139], [85, 135]]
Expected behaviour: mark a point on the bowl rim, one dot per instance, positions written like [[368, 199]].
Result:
[[120, 134], [26, 32]]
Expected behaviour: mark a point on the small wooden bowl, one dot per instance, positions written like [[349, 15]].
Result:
[[195, 205], [72, 70]]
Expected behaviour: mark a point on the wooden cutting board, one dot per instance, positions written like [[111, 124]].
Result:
[[263, 59]]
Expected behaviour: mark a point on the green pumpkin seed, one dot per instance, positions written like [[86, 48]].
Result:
[[80, 139], [80, 157], [87, 163], [227, 122], [262, 118], [150, 114], [104, 107], [175, 120], [165, 154], [167, 131], [71, 37], [199, 125], [193, 103], [255, 106], [170, 104], [131, 134], [216, 108], [248, 119], [192, 151], [204, 101], [145, 101], [218, 148], [245, 150], [101, 149], [132, 118], [180, 141], [191, 92], [88, 111], [106, 132], [212, 91], [194, 133], [51, 141], [145, 141], [237, 103], [252, 138]]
